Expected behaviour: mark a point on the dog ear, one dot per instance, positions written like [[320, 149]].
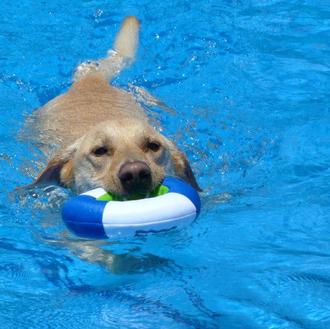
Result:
[[182, 167], [59, 169]]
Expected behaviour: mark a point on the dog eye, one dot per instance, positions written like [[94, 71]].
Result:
[[99, 151], [153, 146]]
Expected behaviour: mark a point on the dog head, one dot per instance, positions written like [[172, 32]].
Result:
[[125, 157]]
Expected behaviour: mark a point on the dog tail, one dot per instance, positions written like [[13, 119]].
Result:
[[121, 56]]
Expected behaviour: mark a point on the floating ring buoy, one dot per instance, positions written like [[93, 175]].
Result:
[[98, 215]]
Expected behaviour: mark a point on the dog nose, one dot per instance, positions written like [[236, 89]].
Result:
[[135, 176]]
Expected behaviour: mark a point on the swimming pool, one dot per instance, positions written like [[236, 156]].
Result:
[[250, 83]]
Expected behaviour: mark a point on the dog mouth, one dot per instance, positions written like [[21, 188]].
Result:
[[114, 196], [134, 192], [137, 192]]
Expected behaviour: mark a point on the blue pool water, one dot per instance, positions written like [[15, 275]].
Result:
[[250, 83]]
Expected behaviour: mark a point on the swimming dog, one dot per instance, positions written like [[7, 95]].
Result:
[[102, 135]]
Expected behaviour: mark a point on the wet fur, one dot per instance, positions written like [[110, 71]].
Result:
[[92, 113]]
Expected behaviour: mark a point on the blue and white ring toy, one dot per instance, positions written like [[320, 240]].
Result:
[[89, 215]]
